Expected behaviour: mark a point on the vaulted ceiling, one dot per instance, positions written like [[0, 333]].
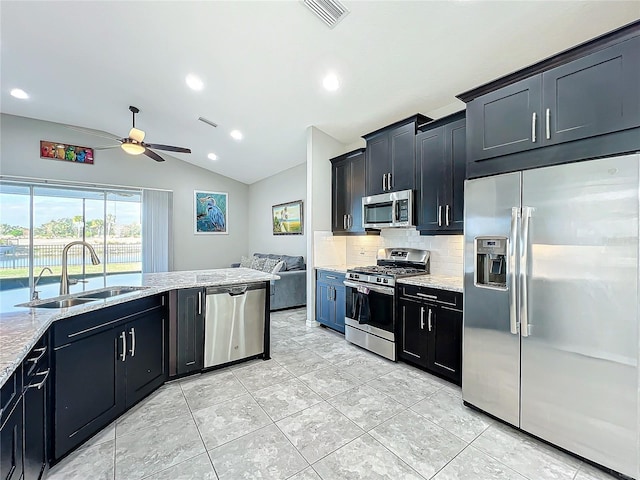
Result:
[[262, 65]]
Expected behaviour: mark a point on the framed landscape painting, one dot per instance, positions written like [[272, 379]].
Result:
[[211, 212], [287, 218]]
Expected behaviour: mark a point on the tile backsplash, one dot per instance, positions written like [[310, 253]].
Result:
[[446, 250]]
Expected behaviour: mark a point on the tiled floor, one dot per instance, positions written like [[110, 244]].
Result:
[[320, 409]]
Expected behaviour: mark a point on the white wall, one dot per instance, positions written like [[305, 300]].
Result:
[[286, 186], [20, 157], [320, 149]]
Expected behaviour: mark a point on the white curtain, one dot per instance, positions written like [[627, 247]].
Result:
[[157, 244]]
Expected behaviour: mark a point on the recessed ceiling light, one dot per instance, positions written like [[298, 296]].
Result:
[[194, 82], [331, 82], [19, 93], [237, 134], [212, 156]]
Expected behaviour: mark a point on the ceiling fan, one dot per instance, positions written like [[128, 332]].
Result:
[[134, 143]]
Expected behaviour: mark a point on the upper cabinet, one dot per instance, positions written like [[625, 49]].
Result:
[[590, 91], [390, 156], [347, 190], [440, 173]]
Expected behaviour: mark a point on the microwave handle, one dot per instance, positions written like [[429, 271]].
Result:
[[396, 211]]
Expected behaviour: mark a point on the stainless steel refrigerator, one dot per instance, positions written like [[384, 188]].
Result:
[[551, 334]]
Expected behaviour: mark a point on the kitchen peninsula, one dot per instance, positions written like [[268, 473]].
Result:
[[86, 354]]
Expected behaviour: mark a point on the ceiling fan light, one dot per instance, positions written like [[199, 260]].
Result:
[[132, 148], [136, 134]]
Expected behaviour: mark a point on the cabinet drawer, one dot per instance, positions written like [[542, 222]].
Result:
[[10, 393], [75, 328], [328, 276], [433, 295]]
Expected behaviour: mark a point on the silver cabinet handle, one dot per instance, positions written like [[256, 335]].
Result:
[[421, 318], [513, 311], [446, 215], [349, 221], [533, 127], [389, 181], [424, 295], [332, 277], [41, 383], [524, 258], [123, 336], [132, 332], [429, 319], [344, 222], [384, 182], [547, 125], [41, 352], [200, 303], [439, 215]]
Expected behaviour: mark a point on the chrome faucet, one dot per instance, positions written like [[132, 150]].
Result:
[[35, 284], [65, 281]]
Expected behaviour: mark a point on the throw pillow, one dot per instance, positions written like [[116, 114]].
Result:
[[246, 261], [293, 263], [279, 266], [269, 265], [258, 263]]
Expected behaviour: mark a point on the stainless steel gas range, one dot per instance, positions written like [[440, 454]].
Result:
[[370, 319]]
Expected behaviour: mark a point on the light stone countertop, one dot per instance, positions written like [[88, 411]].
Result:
[[22, 327], [443, 282]]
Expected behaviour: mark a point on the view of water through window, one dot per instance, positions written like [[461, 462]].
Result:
[[37, 221]]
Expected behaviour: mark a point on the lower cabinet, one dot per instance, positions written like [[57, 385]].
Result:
[[11, 433], [24, 417], [431, 330], [104, 363], [188, 330], [330, 299]]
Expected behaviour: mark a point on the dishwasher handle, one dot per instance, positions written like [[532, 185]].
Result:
[[234, 290]]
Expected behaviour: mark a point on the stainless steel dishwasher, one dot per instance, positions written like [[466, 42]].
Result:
[[234, 323]]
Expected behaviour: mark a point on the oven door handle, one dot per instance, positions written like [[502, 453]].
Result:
[[373, 288]]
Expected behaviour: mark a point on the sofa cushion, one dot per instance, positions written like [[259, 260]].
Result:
[[258, 263], [246, 261], [270, 264], [293, 263]]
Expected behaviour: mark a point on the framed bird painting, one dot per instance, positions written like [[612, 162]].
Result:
[[211, 212]]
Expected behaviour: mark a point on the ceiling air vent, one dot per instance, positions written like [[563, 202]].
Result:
[[329, 11]]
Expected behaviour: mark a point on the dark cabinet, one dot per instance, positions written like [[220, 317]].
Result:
[[390, 156], [11, 428], [413, 344], [575, 96], [330, 299], [11, 452], [36, 412], [430, 330], [189, 349], [441, 165], [347, 190], [594, 95], [104, 363]]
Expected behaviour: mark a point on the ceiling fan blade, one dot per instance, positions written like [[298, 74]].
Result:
[[105, 147], [153, 155], [168, 148], [96, 133]]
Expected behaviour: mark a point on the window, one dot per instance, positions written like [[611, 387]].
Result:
[[37, 221]]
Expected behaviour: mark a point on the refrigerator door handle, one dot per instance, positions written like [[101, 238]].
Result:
[[513, 307], [524, 262]]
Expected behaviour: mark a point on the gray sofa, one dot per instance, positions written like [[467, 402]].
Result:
[[291, 290]]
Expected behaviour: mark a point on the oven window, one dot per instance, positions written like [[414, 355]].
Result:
[[378, 213], [380, 309]]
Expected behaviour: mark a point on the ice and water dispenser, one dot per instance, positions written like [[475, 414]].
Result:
[[491, 262]]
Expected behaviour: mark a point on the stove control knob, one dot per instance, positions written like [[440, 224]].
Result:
[[355, 275], [386, 280], [378, 280]]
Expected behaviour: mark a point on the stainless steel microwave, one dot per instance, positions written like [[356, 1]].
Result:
[[393, 209]]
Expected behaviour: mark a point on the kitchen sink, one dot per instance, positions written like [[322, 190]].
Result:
[[69, 302], [110, 292]]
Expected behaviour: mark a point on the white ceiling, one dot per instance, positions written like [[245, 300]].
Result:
[[84, 63]]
